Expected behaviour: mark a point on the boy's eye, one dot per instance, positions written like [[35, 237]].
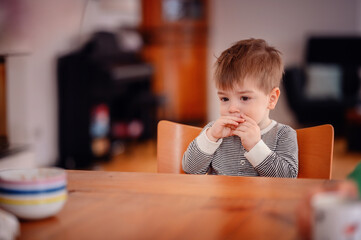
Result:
[[244, 98], [224, 99]]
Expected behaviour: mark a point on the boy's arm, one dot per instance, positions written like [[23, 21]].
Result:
[[283, 162], [199, 154]]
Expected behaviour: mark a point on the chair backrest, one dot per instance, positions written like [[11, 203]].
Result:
[[315, 145], [315, 151], [172, 141]]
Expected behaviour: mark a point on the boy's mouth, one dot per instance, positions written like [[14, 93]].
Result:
[[236, 115]]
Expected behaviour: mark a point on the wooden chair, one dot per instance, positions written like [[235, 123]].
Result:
[[315, 145]]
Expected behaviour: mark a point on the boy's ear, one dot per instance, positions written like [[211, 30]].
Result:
[[273, 99]]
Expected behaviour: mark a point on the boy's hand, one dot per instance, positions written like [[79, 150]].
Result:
[[223, 127], [249, 132]]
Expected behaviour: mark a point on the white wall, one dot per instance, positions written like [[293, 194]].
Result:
[[50, 28], [284, 24], [31, 76]]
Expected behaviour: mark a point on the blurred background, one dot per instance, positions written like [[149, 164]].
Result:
[[83, 83]]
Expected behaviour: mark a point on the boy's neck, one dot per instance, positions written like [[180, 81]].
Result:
[[265, 123]]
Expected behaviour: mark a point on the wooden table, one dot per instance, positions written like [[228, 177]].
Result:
[[118, 205]]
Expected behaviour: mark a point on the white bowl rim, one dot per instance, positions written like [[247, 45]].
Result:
[[57, 174], [34, 186]]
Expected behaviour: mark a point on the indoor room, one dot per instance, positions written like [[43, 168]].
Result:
[[85, 83]]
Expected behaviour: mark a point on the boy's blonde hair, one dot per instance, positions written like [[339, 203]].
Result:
[[251, 58]]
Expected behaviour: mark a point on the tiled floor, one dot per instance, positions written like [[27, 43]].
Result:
[[141, 157]]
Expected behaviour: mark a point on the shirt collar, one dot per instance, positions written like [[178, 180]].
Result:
[[269, 127]]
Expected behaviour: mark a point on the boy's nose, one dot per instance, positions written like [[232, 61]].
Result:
[[234, 109]]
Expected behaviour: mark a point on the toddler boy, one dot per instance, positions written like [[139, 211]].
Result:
[[244, 141]]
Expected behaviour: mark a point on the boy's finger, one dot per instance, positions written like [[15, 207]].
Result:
[[248, 119], [237, 133], [247, 124], [242, 128], [230, 122], [237, 119]]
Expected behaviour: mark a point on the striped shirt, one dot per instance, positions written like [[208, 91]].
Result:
[[275, 155]]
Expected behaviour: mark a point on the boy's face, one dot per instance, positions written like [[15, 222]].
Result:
[[248, 99]]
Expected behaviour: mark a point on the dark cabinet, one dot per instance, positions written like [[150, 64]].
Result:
[[104, 96]]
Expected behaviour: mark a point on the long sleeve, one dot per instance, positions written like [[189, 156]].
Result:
[[198, 156], [282, 161]]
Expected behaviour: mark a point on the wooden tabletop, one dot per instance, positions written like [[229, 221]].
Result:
[[118, 205]]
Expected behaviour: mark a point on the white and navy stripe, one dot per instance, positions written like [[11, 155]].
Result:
[[275, 155]]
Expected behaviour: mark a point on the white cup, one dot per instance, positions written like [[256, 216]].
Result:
[[335, 217]]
